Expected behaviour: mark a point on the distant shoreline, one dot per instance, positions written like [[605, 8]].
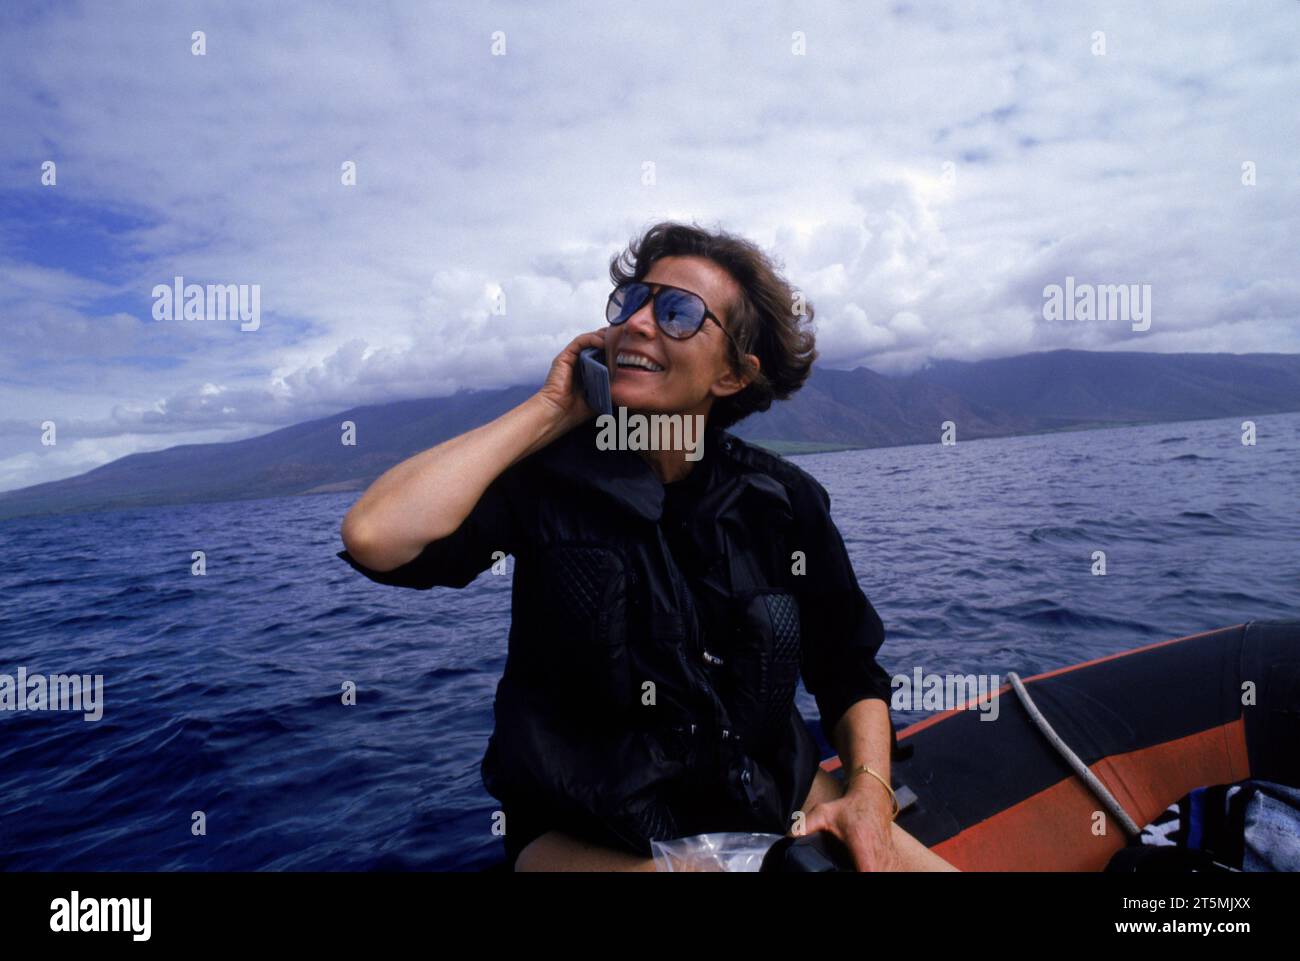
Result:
[[814, 447], [791, 449]]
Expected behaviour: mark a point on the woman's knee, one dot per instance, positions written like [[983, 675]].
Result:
[[825, 787], [915, 856], [529, 857], [557, 851]]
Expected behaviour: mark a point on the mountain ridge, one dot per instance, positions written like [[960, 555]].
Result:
[[836, 409]]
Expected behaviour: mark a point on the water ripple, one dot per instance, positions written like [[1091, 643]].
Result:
[[226, 694]]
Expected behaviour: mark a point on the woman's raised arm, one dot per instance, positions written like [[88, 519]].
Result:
[[426, 497]]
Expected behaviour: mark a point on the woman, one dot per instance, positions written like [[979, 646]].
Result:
[[664, 601]]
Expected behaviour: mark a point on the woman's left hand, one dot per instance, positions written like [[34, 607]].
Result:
[[862, 822]]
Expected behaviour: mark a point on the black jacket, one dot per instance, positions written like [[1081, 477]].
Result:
[[649, 683]]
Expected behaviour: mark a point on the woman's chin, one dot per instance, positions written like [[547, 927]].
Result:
[[634, 400]]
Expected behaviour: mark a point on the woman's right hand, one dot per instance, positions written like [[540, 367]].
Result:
[[428, 496], [560, 389]]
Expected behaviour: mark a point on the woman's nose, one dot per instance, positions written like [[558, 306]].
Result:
[[644, 320]]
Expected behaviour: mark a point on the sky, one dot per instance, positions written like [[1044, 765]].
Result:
[[922, 172]]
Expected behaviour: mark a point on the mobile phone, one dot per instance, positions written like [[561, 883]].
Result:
[[593, 380]]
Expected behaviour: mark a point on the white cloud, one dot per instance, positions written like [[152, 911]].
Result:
[[522, 174]]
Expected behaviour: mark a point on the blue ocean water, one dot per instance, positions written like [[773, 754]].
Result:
[[222, 693]]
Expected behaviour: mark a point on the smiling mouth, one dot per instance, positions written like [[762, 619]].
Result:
[[636, 362]]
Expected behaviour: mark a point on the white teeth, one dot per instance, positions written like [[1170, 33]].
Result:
[[636, 360]]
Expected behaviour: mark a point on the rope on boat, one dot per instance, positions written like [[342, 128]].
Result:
[[1076, 763]]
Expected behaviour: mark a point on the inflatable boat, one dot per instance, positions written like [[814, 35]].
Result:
[[1078, 756], [1078, 759]]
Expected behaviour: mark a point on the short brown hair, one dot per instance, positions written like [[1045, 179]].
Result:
[[763, 321]]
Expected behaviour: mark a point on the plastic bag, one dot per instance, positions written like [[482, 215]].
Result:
[[722, 851]]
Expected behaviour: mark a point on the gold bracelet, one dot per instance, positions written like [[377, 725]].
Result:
[[862, 768]]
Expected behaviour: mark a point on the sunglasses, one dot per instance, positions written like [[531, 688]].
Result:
[[679, 313]]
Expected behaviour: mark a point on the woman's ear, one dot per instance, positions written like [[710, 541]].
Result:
[[731, 383]]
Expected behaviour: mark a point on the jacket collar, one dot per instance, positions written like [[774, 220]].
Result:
[[623, 477]]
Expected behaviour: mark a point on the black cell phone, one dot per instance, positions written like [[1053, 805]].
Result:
[[593, 380]]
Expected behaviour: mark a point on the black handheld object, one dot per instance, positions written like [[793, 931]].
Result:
[[814, 853], [593, 380]]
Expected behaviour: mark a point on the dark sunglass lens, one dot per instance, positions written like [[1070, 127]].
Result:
[[625, 302], [679, 313]]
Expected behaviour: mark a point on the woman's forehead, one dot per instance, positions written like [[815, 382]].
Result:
[[699, 275]]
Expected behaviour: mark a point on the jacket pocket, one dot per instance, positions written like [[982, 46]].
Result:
[[583, 595], [760, 665]]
